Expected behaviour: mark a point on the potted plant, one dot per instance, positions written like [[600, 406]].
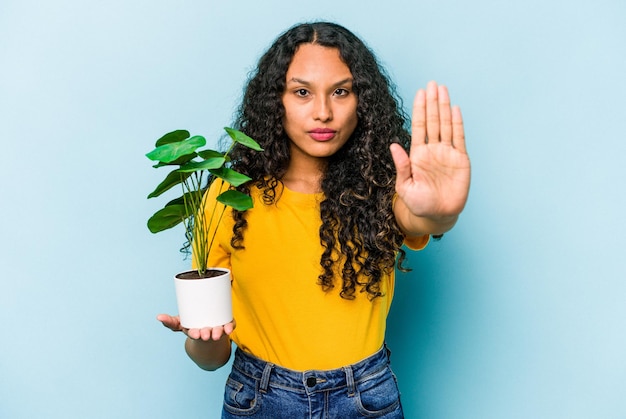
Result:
[[203, 294]]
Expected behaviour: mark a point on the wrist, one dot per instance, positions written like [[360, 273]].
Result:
[[208, 354], [440, 225], [413, 225]]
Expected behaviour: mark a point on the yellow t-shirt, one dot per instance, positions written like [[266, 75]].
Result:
[[283, 315]]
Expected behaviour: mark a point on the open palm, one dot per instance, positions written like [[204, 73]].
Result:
[[433, 179]]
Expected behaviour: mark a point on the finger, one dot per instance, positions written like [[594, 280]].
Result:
[[171, 322], [445, 117], [230, 327], [217, 332], [418, 119], [458, 131], [206, 333], [194, 334], [402, 162], [164, 318], [432, 113]]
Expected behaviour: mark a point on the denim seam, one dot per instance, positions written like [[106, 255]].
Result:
[[373, 374]]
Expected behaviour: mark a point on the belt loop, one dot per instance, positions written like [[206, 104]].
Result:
[[265, 378], [350, 381]]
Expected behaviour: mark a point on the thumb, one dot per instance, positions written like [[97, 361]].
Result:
[[401, 161], [171, 322]]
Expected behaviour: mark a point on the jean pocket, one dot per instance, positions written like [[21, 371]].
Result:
[[378, 395], [241, 396]]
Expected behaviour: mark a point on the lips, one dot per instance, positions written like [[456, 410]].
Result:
[[322, 134]]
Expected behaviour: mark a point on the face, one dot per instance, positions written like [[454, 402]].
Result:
[[320, 106]]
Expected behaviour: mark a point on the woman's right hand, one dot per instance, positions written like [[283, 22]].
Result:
[[205, 334]]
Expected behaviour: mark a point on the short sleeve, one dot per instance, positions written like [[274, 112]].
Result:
[[417, 242]]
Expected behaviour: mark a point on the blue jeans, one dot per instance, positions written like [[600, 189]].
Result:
[[258, 389]]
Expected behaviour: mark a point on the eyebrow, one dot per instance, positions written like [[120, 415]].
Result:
[[307, 83]]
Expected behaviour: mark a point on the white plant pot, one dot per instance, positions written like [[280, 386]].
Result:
[[204, 302]]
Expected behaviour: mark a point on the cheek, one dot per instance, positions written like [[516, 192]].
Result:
[[286, 117], [290, 123], [354, 119], [287, 111], [353, 114]]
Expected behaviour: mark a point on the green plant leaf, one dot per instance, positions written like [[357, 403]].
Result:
[[243, 139], [208, 154], [173, 178], [166, 218], [178, 162], [173, 137], [238, 200], [195, 166], [178, 201], [230, 176], [167, 153]]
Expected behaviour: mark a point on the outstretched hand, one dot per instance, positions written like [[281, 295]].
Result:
[[205, 334], [433, 179]]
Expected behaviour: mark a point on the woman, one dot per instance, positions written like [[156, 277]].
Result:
[[336, 196]]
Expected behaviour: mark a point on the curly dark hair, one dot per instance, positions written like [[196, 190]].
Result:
[[357, 219]]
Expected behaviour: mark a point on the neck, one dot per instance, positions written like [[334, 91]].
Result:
[[304, 178]]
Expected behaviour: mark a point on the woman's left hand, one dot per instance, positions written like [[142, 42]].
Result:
[[433, 179]]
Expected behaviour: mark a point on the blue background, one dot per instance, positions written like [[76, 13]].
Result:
[[519, 312]]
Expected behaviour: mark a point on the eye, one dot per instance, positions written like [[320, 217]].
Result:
[[342, 92], [302, 92]]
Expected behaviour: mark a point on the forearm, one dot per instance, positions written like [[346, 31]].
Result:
[[413, 225], [209, 355]]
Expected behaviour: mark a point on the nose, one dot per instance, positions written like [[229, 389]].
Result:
[[322, 109]]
